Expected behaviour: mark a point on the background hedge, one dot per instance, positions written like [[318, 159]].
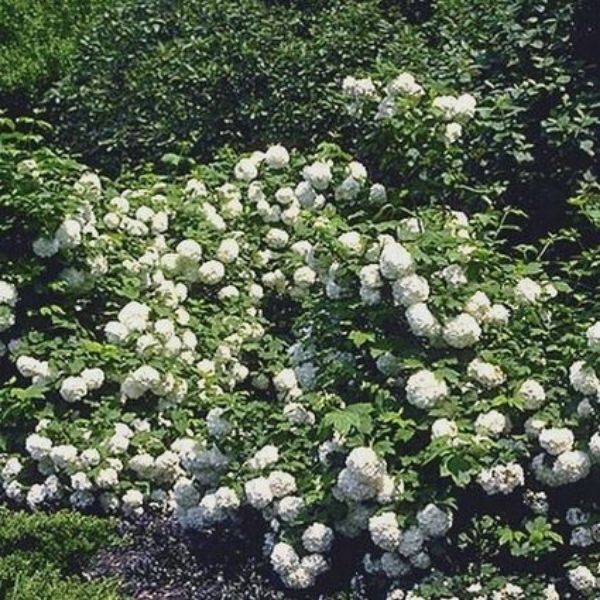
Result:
[[155, 76], [188, 77], [37, 41]]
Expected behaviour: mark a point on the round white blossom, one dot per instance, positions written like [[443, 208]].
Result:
[[491, 424], [461, 331], [582, 579], [211, 272], [258, 492], [532, 393], [583, 378], [434, 521], [318, 174], [487, 374], [8, 293], [555, 441], [421, 321], [593, 336], [527, 291], [317, 538], [277, 157], [411, 289], [501, 479], [228, 251], [73, 389], [395, 261], [384, 531], [424, 389]]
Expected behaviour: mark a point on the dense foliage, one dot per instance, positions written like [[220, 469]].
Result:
[[41, 556], [37, 42], [189, 77], [156, 76], [536, 83]]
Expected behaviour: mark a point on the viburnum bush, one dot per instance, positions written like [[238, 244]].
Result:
[[277, 330]]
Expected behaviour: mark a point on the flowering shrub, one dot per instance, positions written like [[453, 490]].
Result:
[[536, 134], [279, 331], [421, 132], [534, 141]]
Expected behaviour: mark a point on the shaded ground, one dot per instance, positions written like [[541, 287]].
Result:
[[159, 561]]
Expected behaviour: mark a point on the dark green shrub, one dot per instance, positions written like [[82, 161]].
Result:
[[188, 77], [208, 73], [37, 39], [40, 555]]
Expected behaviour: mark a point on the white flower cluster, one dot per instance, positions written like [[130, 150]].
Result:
[[486, 374], [75, 228], [502, 479], [76, 387], [8, 301], [424, 389], [453, 111], [364, 477], [297, 573]]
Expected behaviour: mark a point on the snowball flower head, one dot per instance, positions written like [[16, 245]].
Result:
[[317, 538], [94, 378], [73, 389], [264, 457], [434, 521], [277, 157], [68, 235], [411, 289], [228, 251], [487, 374], [532, 393], [527, 291], [245, 170], [364, 463], [556, 440], [258, 492], [395, 261], [304, 277], [8, 293], [491, 424], [318, 174], [422, 321], [189, 250], [424, 389], [404, 84], [352, 243], [461, 331], [583, 378], [502, 479], [134, 316], [384, 531], [593, 336], [443, 427], [211, 272], [358, 88], [453, 132], [478, 306], [465, 106], [582, 579], [571, 466]]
